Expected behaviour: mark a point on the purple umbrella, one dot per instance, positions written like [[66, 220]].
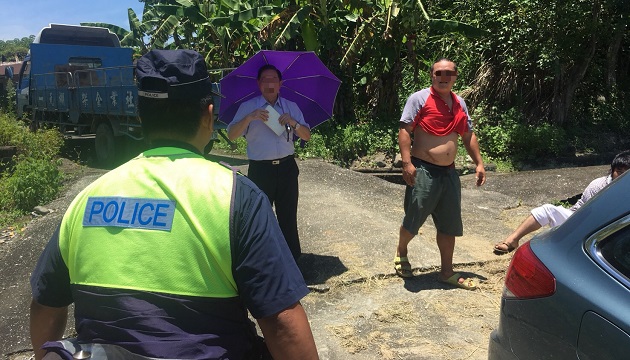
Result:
[[305, 81]]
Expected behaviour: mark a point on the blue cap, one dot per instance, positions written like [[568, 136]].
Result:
[[173, 74]]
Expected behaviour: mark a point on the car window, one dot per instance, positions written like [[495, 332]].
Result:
[[616, 250]]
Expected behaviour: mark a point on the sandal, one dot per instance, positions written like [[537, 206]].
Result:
[[509, 249], [402, 267], [465, 283]]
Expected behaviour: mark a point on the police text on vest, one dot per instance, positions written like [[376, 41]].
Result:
[[155, 214]]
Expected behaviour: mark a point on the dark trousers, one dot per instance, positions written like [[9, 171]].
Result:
[[280, 183]]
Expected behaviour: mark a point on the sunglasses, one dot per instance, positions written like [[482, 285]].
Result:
[[446, 73]]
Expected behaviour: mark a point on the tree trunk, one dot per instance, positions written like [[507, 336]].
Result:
[[386, 101], [569, 77], [612, 56]]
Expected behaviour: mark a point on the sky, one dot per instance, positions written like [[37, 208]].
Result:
[[23, 18]]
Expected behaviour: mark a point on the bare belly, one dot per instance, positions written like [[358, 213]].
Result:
[[438, 150]]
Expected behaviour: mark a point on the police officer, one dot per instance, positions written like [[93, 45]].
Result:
[[164, 256]]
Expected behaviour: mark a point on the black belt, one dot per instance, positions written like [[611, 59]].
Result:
[[272, 162], [451, 166]]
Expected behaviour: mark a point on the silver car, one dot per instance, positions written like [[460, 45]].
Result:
[[567, 291]]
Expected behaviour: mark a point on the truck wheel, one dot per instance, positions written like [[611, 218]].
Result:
[[34, 123], [105, 144]]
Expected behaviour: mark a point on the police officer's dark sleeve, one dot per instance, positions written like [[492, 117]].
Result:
[[50, 281], [265, 272]]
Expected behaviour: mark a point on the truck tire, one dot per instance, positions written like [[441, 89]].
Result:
[[105, 144], [34, 123]]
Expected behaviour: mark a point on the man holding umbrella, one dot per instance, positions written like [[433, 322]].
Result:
[[271, 156]]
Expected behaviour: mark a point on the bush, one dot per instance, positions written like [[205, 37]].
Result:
[[7, 99], [10, 130], [33, 182], [504, 136], [43, 144], [314, 148], [240, 142], [346, 144], [34, 177]]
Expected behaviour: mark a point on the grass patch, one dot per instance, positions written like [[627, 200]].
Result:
[[32, 176]]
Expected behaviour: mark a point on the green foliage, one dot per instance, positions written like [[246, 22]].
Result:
[[504, 136], [345, 144], [315, 148], [562, 203], [16, 49], [7, 99], [241, 145], [518, 62], [494, 134], [43, 144], [10, 130], [33, 182], [413, 80], [33, 178], [340, 144], [608, 113], [503, 166]]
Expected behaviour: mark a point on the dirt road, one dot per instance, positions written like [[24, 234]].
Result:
[[348, 226]]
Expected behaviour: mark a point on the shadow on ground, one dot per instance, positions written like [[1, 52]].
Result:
[[317, 269], [429, 281]]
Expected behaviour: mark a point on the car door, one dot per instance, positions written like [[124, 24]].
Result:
[[603, 332]]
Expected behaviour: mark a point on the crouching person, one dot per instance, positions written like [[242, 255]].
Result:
[[164, 255]]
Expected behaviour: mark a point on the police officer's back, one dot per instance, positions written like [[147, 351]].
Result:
[[164, 255]]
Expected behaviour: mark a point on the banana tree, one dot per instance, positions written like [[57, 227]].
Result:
[[380, 36], [225, 31]]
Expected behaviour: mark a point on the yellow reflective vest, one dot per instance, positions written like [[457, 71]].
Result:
[[160, 223]]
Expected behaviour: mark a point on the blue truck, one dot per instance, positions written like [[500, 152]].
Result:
[[81, 81]]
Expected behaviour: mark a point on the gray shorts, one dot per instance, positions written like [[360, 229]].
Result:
[[438, 193]]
